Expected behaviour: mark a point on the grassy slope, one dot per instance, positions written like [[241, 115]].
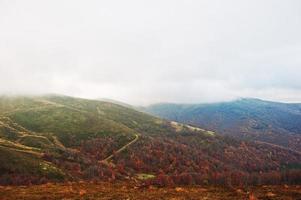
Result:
[[70, 126], [26, 163], [23, 160], [139, 121]]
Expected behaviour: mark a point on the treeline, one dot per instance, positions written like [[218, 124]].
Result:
[[232, 179]]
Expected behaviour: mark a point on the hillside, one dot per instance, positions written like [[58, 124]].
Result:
[[251, 119], [61, 138]]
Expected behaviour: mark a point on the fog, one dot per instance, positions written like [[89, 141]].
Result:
[[143, 52]]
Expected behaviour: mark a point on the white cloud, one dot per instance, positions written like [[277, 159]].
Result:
[[151, 51]]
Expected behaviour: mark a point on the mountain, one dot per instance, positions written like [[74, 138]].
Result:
[[250, 119], [116, 102], [61, 138]]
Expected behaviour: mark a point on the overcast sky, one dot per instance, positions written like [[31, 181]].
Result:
[[142, 51]]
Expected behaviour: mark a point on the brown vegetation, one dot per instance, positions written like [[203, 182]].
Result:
[[132, 190]]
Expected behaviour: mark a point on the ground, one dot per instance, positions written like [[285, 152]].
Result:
[[130, 190]]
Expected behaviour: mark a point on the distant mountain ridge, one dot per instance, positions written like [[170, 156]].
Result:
[[246, 118]]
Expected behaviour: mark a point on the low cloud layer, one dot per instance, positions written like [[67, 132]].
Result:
[[145, 52]]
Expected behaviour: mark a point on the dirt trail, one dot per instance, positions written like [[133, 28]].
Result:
[[107, 159], [278, 146], [24, 151]]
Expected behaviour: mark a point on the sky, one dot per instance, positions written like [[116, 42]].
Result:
[[143, 52]]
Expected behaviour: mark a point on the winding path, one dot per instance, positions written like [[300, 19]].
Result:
[[107, 159], [280, 147]]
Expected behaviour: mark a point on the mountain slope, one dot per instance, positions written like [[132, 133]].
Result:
[[74, 139], [252, 119]]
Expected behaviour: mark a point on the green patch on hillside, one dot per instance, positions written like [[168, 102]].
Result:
[[16, 162], [138, 121], [35, 141], [8, 133], [70, 126]]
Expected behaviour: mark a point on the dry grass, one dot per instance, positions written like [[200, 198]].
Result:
[[130, 190]]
